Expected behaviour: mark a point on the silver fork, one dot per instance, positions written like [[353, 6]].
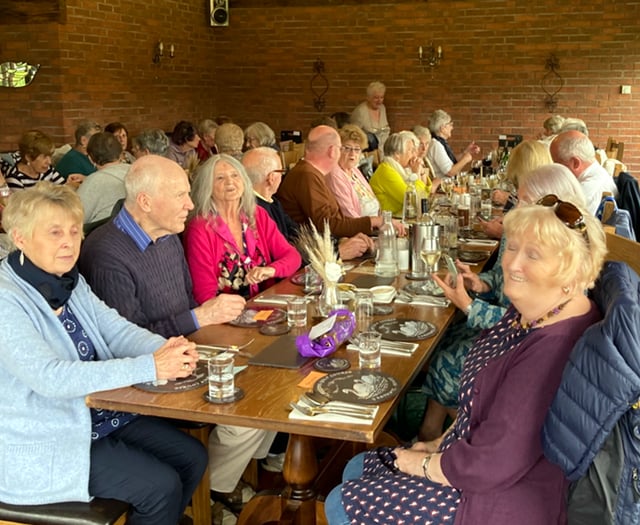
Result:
[[310, 399], [233, 349], [314, 411]]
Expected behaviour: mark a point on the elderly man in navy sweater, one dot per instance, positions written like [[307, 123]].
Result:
[[136, 264]]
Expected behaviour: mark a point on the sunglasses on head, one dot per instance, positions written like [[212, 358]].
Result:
[[567, 212]]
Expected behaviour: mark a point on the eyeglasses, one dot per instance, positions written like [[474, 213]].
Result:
[[281, 172], [567, 212], [349, 149]]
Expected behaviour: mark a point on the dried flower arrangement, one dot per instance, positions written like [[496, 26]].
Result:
[[321, 252]]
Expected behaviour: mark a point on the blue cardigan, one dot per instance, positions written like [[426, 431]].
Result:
[[600, 384], [45, 425]]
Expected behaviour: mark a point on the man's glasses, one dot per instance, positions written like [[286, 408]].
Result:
[[567, 212], [349, 149], [281, 172]]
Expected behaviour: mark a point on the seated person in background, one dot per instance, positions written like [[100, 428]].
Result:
[[264, 168], [485, 309], [351, 190], [304, 193], [232, 245], [61, 343], [489, 467], [100, 192], [574, 150], [342, 118], [574, 124], [75, 161], [440, 154], [526, 156], [371, 115], [426, 174], [389, 182], [150, 142], [183, 144], [551, 127], [259, 134], [135, 263], [33, 162], [207, 145], [230, 139], [120, 132]]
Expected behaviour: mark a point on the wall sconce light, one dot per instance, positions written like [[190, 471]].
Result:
[[159, 52], [430, 55]]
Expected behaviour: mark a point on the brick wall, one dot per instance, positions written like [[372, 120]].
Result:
[[98, 65]]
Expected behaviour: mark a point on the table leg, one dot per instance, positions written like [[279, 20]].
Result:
[[297, 504]]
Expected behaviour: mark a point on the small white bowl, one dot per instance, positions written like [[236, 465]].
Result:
[[383, 294]]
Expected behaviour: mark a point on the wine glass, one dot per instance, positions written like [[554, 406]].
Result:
[[430, 253], [447, 186]]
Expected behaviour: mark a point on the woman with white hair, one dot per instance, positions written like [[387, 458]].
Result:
[[442, 158], [371, 115], [400, 165]]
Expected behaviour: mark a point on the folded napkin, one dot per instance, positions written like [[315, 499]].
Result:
[[333, 418], [479, 242], [392, 348], [280, 299]]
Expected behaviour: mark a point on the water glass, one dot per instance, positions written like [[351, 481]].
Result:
[[297, 311], [403, 254], [221, 384], [369, 357], [363, 310], [312, 281]]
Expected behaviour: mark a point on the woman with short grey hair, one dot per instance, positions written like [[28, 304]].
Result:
[[440, 154], [150, 142]]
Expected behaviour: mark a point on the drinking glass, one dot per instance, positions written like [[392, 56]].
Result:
[[430, 253], [297, 311], [221, 383], [369, 350], [363, 310]]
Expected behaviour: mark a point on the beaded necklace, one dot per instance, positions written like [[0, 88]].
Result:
[[517, 323]]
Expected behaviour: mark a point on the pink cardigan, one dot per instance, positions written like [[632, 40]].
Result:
[[204, 246]]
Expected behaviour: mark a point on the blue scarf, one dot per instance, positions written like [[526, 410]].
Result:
[[447, 148], [56, 290]]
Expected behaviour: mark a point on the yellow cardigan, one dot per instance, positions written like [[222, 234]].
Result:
[[389, 187]]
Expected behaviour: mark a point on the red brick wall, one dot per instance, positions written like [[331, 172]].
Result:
[[98, 65]]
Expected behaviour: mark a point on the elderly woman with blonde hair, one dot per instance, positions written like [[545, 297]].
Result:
[[489, 467], [61, 343], [229, 140], [232, 245], [371, 115], [352, 191], [400, 166]]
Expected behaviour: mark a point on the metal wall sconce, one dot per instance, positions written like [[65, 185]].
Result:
[[319, 85], [552, 82], [430, 55], [159, 52]]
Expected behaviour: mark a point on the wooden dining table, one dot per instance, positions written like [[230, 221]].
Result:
[[268, 391]]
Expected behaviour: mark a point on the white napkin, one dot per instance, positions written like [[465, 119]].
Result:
[[426, 301], [480, 242], [333, 418], [280, 299]]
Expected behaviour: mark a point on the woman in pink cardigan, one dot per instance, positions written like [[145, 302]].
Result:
[[232, 245]]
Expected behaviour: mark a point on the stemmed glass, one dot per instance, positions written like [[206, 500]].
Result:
[[430, 253], [447, 187]]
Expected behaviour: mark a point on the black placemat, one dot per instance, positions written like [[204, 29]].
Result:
[[358, 386], [404, 329], [369, 281], [247, 317], [282, 353], [198, 378]]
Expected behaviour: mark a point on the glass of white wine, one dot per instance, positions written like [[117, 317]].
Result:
[[430, 253], [447, 186]]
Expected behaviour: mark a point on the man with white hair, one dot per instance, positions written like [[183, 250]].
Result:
[[574, 150]]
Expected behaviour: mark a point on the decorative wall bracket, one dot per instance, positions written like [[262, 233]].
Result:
[[319, 85], [552, 82], [17, 74]]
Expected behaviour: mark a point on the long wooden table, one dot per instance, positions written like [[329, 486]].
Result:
[[268, 392]]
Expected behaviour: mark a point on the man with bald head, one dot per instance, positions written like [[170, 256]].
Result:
[[135, 263], [264, 168], [304, 193], [574, 150]]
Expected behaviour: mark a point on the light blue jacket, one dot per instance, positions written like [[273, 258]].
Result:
[[45, 425]]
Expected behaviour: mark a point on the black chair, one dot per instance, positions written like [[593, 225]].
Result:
[[96, 512]]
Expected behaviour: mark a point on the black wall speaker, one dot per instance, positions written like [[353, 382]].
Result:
[[219, 12]]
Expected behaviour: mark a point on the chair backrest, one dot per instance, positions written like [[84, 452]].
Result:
[[622, 249], [292, 155], [614, 149]]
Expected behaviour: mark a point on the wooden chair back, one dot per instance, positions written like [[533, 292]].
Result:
[[622, 249], [614, 149]]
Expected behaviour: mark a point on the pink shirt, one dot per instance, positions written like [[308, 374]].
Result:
[[207, 241], [353, 193]]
